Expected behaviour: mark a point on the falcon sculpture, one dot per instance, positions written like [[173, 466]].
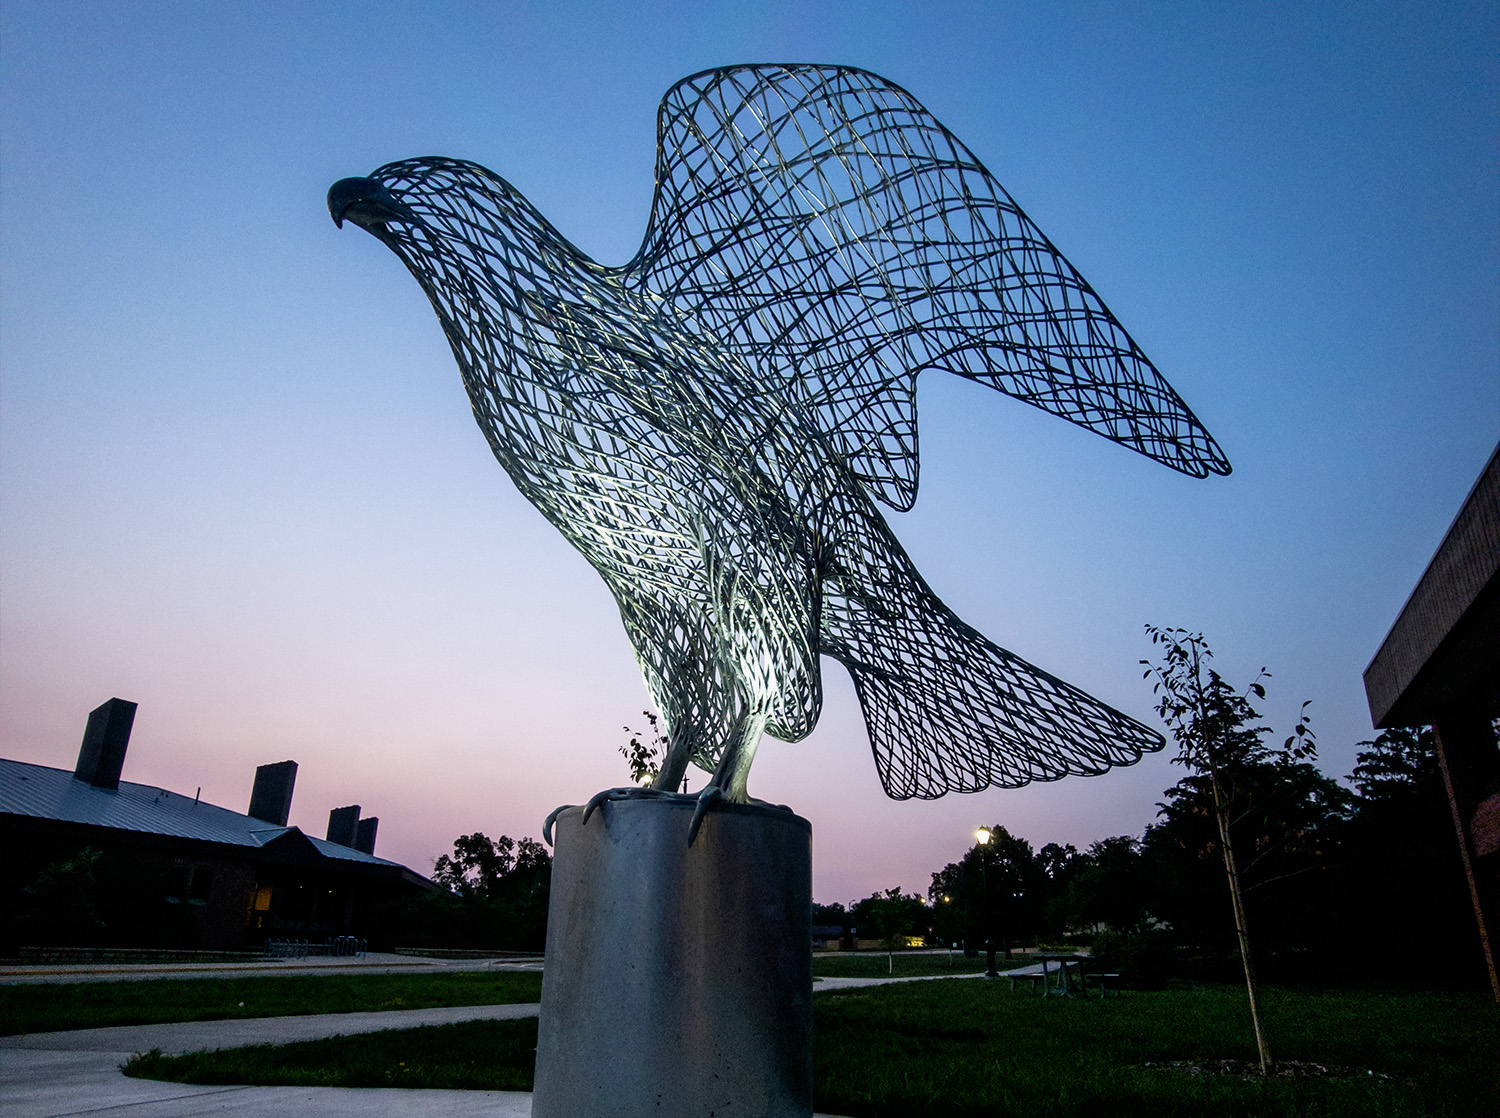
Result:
[[714, 424]]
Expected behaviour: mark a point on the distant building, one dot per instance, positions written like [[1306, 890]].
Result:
[[827, 937], [172, 870]]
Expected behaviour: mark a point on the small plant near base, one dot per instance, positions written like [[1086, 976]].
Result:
[[644, 753]]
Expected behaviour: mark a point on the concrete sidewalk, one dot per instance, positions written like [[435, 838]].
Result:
[[857, 983], [50, 1075], [372, 963], [61, 1074]]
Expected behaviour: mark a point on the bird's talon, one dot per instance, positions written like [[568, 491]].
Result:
[[550, 820], [594, 804], [768, 803], [707, 796], [702, 801], [629, 792]]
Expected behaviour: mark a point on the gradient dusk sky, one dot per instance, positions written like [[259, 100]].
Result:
[[241, 486]]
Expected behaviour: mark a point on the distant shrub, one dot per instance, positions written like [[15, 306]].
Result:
[[1143, 958]]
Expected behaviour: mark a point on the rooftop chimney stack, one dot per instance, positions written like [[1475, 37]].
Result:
[[271, 798], [364, 835], [343, 822], [102, 754]]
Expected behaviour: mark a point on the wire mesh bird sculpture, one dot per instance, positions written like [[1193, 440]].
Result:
[[712, 424]]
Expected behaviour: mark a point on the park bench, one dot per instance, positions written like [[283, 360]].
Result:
[[1035, 980], [1103, 981]]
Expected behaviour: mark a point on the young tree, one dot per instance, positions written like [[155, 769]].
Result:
[[1217, 740], [892, 915]]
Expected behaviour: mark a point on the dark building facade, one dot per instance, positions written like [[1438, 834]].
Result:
[[94, 860], [1440, 666]]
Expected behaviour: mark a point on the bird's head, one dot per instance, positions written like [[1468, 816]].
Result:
[[488, 261], [453, 209], [367, 202], [477, 246]]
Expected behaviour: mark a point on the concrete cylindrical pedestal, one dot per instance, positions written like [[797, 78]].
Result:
[[678, 979]]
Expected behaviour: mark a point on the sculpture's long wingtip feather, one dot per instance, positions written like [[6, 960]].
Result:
[[1197, 455], [982, 717], [948, 710]]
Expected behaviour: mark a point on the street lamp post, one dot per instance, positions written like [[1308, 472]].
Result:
[[982, 835]]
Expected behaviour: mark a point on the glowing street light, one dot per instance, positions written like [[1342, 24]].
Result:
[[982, 835]]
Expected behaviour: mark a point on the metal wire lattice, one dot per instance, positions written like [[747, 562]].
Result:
[[711, 424]]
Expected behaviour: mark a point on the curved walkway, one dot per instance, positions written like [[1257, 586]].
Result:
[[61, 1074], [49, 1075]]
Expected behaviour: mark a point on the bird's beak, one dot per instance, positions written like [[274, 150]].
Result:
[[365, 202]]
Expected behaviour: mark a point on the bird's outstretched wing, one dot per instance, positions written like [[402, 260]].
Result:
[[824, 224]]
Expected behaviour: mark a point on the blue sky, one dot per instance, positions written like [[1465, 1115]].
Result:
[[239, 482]]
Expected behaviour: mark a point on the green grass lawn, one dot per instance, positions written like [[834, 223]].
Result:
[[88, 1005], [473, 1055], [972, 1048]]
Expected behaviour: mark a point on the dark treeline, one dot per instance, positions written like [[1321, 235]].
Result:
[[493, 896], [1254, 846], [1339, 882]]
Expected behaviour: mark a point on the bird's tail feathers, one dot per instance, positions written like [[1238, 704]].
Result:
[[947, 710]]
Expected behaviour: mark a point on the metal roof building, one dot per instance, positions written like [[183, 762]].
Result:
[[92, 859], [57, 795]]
